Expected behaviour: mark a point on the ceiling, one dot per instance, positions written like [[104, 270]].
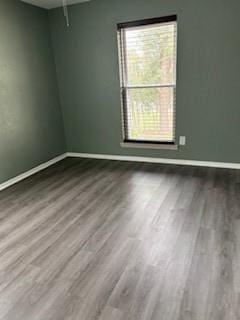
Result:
[[49, 4]]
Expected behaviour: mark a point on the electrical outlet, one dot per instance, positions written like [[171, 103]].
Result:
[[182, 141]]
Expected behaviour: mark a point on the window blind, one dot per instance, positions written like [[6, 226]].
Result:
[[147, 52]]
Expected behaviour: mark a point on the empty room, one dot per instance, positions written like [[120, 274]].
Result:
[[119, 160]]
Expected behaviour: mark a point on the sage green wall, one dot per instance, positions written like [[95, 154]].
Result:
[[31, 128], [208, 89]]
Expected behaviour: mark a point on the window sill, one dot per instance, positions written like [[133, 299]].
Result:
[[149, 146]]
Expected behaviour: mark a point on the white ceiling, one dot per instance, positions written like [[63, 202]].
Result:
[[49, 4]]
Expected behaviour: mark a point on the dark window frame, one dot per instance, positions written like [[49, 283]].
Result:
[[122, 67]]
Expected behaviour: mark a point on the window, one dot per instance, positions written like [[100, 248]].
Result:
[[147, 51]]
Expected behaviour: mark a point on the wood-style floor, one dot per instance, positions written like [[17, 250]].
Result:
[[102, 240]]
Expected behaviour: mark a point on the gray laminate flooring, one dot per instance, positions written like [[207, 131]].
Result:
[[103, 240]]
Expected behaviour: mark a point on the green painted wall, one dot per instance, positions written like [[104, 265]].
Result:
[[208, 103], [31, 128]]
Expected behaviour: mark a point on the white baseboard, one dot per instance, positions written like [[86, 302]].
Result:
[[156, 160], [49, 163], [31, 172]]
